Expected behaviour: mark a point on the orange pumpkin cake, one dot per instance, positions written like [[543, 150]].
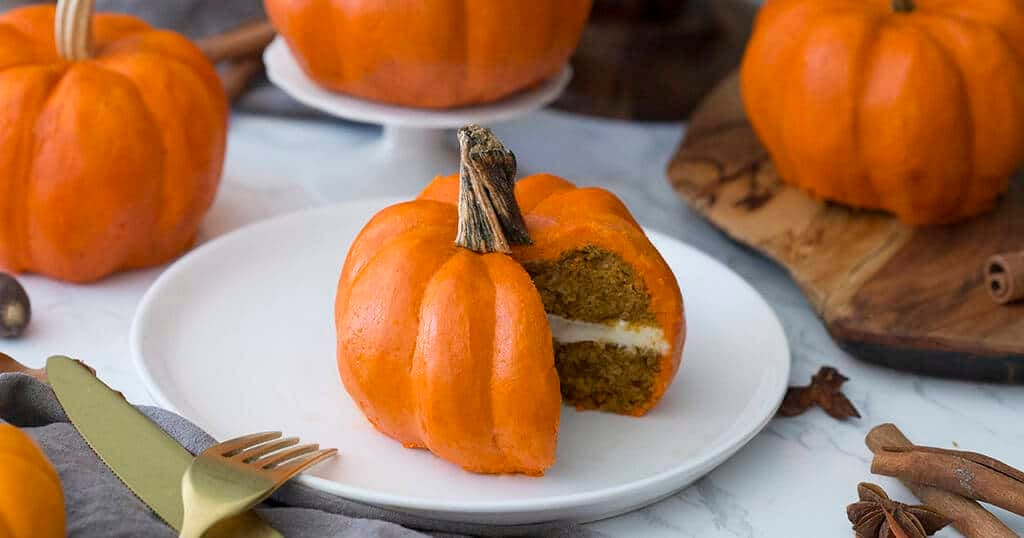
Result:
[[512, 296], [613, 304]]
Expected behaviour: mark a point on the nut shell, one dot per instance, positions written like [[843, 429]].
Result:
[[15, 309]]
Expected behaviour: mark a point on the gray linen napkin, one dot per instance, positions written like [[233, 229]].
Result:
[[98, 504]]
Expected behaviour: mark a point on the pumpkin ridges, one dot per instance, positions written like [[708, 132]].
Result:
[[451, 369], [34, 21], [362, 49], [307, 25], [957, 199], [597, 202], [23, 108], [824, 83], [191, 126], [942, 184], [522, 426], [997, 62], [98, 228], [17, 49], [369, 350], [910, 130], [1007, 16], [764, 91], [532, 190], [167, 48], [393, 222], [109, 28]]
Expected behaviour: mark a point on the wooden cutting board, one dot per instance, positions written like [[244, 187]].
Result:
[[912, 299]]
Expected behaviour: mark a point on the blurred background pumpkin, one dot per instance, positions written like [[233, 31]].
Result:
[[882, 105], [112, 139], [430, 54], [31, 499]]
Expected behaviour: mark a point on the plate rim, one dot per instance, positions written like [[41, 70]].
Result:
[[775, 381]]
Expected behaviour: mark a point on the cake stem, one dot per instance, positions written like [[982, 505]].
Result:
[[489, 217]]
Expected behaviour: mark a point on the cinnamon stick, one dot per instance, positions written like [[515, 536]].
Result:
[[239, 75], [968, 516], [953, 472], [1004, 277], [245, 41]]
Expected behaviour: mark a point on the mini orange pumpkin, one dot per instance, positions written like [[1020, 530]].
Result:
[[111, 148], [31, 499], [911, 106], [442, 339], [430, 53]]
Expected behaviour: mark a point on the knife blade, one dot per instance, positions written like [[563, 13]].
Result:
[[148, 460]]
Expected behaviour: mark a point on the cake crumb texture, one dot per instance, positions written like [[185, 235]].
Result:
[[609, 377], [591, 284]]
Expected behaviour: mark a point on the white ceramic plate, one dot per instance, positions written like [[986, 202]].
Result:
[[238, 336]]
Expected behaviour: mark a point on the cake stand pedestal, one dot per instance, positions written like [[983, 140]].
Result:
[[415, 144]]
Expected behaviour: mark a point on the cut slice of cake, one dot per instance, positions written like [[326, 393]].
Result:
[[613, 304]]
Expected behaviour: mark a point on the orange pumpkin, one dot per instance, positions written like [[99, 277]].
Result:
[[111, 146], [911, 106], [444, 344], [443, 340], [31, 499], [430, 53]]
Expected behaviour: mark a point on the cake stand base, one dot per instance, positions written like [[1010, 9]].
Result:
[[415, 145]]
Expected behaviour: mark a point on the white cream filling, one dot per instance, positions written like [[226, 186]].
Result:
[[623, 333]]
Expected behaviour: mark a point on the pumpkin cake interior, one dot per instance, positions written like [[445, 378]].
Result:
[[608, 346]]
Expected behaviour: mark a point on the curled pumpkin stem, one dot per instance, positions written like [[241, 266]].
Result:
[[489, 217]]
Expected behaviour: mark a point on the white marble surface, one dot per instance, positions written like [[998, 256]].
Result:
[[794, 479]]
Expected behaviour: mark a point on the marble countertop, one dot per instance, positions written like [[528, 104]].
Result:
[[794, 479]]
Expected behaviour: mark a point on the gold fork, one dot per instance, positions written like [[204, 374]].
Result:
[[233, 476]]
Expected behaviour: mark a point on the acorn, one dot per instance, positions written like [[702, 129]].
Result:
[[15, 311]]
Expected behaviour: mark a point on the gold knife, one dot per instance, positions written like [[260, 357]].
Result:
[[139, 453]]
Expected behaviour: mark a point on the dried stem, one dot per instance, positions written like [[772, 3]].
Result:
[[73, 29], [489, 217], [968, 516], [903, 6]]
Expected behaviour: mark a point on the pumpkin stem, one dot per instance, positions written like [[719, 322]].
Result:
[[489, 217], [73, 29], [903, 6]]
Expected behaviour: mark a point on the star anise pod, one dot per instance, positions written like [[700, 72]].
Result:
[[824, 391], [877, 516]]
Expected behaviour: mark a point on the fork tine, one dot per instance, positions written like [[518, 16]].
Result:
[[284, 455], [296, 466], [241, 443], [266, 448]]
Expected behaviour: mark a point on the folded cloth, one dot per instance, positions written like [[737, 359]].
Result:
[[98, 504]]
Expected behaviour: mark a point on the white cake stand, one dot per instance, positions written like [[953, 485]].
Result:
[[416, 144]]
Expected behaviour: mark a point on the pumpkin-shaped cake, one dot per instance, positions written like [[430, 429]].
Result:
[[511, 296], [430, 53], [915, 107], [31, 499], [112, 139]]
